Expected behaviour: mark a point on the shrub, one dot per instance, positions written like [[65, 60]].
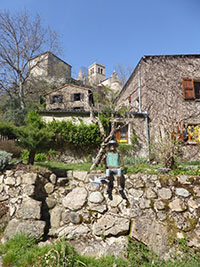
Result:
[[5, 159], [40, 157], [10, 146], [78, 136], [126, 150], [25, 155]]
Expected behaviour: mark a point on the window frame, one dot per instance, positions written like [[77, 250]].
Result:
[[189, 90], [119, 138], [58, 97]]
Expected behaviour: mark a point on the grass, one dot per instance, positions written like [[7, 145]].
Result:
[[181, 169], [21, 251], [60, 165]]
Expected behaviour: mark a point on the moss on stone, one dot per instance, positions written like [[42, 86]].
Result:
[[193, 223], [172, 230], [167, 180]]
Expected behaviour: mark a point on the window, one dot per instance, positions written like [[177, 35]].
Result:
[[193, 133], [56, 99], [77, 97], [191, 89], [122, 135], [190, 133]]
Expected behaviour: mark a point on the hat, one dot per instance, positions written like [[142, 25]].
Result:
[[112, 142]]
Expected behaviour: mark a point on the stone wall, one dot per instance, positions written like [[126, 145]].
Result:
[[158, 210]]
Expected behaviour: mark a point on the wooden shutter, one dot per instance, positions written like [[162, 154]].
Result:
[[72, 97], [51, 99], [118, 136], [82, 97], [188, 89]]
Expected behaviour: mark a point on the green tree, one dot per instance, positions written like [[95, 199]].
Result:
[[35, 136]]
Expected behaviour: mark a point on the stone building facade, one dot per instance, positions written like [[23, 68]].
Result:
[[67, 102], [166, 89], [49, 67]]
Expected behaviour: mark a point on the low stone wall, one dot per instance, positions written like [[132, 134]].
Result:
[[159, 209]]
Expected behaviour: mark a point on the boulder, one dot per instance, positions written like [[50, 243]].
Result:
[[80, 175], [72, 217], [53, 178], [96, 207], [9, 181], [29, 209], [49, 188], [96, 197], [55, 217], [182, 192], [165, 193], [136, 193], [73, 231], [151, 233], [29, 190], [110, 225], [76, 199], [29, 178], [116, 246], [29, 227], [177, 205]]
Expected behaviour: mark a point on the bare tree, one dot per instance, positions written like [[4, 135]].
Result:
[[22, 38], [123, 72], [105, 105]]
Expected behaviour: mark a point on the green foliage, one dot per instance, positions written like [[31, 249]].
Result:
[[40, 157], [82, 135], [125, 150], [23, 251], [8, 130], [11, 110], [140, 255], [35, 139], [25, 155], [10, 146], [5, 159], [34, 136], [105, 120]]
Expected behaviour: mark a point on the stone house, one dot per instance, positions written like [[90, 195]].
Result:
[[164, 92], [67, 102], [50, 67]]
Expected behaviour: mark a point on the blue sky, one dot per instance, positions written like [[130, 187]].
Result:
[[113, 32]]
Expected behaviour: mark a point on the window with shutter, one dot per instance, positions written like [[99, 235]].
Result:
[[122, 135], [188, 89]]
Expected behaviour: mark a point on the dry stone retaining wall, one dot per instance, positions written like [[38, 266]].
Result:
[[159, 209]]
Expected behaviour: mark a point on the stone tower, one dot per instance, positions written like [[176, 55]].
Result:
[[96, 73]]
